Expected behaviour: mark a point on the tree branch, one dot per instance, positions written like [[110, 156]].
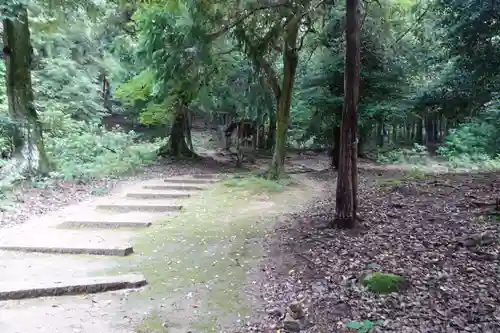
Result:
[[243, 17], [271, 76], [417, 21]]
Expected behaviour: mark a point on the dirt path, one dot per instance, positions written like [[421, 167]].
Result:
[[197, 263], [201, 263]]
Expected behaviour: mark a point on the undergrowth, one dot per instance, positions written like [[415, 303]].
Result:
[[446, 159], [93, 152]]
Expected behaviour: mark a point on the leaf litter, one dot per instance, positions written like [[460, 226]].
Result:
[[441, 233]]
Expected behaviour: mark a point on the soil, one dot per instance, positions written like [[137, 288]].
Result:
[[440, 232]]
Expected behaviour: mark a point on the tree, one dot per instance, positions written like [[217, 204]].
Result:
[[271, 31], [347, 179], [29, 148]]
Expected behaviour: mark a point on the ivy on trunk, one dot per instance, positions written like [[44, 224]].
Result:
[[290, 61]]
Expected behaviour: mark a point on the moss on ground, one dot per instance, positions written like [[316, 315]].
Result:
[[256, 184], [197, 262], [382, 283]]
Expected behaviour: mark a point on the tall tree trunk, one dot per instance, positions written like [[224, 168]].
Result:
[[271, 134], [336, 147], [290, 61], [347, 179], [429, 130], [180, 136], [380, 134], [419, 135], [29, 155], [394, 134]]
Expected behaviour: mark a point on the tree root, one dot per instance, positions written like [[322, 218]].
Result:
[[166, 151]]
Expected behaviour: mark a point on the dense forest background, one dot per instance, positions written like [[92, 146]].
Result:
[[429, 86]]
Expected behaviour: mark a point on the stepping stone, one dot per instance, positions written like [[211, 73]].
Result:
[[173, 187], [140, 206], [103, 224], [96, 250], [75, 286], [157, 195], [200, 181]]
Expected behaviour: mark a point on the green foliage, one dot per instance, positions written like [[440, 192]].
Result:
[[70, 60], [88, 151], [418, 154], [319, 98], [365, 326], [382, 283], [477, 138]]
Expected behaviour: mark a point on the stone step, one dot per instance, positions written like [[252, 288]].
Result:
[[139, 206], [103, 224], [199, 181], [120, 251], [180, 187], [157, 195], [205, 176], [72, 286]]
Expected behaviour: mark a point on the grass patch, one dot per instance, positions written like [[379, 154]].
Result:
[[387, 182], [382, 283], [199, 260], [412, 175], [255, 184]]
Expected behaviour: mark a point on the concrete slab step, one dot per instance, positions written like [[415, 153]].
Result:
[[199, 181], [173, 187], [120, 251], [44, 239], [108, 220], [206, 176], [72, 286], [140, 206], [152, 194], [103, 224]]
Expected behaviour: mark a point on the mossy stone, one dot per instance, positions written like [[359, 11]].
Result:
[[382, 283]]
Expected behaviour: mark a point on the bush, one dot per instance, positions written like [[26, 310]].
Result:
[[416, 155], [473, 139], [89, 151]]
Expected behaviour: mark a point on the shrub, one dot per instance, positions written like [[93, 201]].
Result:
[[416, 155], [89, 151]]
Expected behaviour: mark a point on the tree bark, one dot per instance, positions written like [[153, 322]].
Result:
[[336, 148], [180, 136], [271, 134], [429, 130], [29, 154], [419, 135], [380, 134], [347, 179], [290, 61]]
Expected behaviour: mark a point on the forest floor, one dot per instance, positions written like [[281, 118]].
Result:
[[244, 250], [440, 232]]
